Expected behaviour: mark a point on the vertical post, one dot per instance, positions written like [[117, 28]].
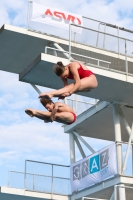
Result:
[[104, 36], [52, 184], [98, 35], [72, 148], [126, 62], [118, 42], [98, 63], [28, 14], [65, 100], [115, 192], [25, 176], [122, 193], [76, 103], [8, 178], [69, 41], [127, 151], [74, 37], [33, 182], [117, 130], [132, 159]]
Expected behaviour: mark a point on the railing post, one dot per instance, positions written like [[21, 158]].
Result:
[[76, 103], [28, 14], [25, 176], [69, 41], [33, 182], [126, 62], [104, 36], [8, 178], [118, 42], [52, 184]]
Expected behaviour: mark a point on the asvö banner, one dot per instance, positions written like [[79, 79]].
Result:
[[94, 168], [55, 17]]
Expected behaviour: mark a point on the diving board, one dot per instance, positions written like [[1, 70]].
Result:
[[112, 86]]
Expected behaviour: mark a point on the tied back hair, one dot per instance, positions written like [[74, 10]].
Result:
[[59, 68]]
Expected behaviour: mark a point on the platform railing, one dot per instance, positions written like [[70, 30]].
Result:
[[39, 183], [121, 63], [58, 176], [97, 60], [75, 104]]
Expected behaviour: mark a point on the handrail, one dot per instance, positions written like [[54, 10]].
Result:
[[38, 175], [47, 163], [101, 32], [110, 25], [77, 55]]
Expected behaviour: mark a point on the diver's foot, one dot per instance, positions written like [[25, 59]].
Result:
[[30, 112], [46, 95]]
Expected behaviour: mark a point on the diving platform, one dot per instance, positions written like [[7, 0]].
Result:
[[112, 86], [7, 193], [23, 53], [97, 122]]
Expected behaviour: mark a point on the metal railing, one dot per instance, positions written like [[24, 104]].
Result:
[[39, 183], [125, 40], [58, 176], [98, 60]]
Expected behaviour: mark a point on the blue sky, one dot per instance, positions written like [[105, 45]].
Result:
[[25, 138]]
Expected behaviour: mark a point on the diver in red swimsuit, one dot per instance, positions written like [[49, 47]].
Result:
[[85, 80], [58, 112]]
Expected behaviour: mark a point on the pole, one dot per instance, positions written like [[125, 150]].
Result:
[[72, 148], [69, 41], [117, 130]]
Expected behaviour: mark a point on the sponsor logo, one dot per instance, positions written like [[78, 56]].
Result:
[[59, 16], [92, 165]]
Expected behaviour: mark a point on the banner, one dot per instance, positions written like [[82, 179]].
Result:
[[55, 17], [94, 168]]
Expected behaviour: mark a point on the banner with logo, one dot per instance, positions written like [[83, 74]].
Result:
[[55, 17], [94, 168]]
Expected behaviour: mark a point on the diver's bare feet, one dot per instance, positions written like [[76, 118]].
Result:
[[30, 112], [46, 95]]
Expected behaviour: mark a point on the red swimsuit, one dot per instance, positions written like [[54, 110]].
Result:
[[74, 115], [82, 73]]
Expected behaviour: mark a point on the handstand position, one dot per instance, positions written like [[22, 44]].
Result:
[[58, 111], [85, 80]]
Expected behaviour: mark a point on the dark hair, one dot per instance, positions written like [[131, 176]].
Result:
[[59, 68], [45, 101]]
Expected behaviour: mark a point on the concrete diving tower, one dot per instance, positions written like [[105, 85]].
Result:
[[23, 52], [32, 55]]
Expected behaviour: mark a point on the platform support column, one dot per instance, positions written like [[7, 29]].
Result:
[[117, 130], [72, 148], [122, 192], [132, 159]]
